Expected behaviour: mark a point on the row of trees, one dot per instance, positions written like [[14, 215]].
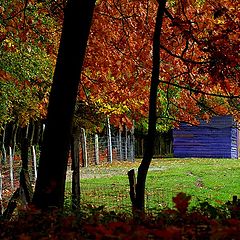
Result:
[[118, 60], [197, 74]]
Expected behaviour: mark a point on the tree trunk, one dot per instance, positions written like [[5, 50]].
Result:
[[50, 185], [1, 191], [139, 203], [4, 152]]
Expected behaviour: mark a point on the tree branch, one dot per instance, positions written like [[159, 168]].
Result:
[[199, 91]]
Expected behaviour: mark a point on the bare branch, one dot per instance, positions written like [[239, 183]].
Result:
[[182, 58], [199, 91]]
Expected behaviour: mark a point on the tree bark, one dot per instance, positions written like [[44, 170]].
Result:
[[50, 185], [139, 203], [3, 149]]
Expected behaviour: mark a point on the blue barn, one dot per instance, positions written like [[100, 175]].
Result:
[[218, 138]]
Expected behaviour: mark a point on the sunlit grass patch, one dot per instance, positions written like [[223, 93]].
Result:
[[214, 180]]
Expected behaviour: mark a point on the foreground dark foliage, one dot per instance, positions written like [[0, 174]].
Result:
[[204, 222]]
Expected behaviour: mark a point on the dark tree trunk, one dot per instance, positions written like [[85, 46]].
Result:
[[50, 185], [25, 182], [75, 149], [14, 139], [139, 202], [23, 194], [3, 149]]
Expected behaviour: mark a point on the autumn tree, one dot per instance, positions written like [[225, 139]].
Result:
[[50, 183], [125, 69], [27, 46], [198, 78]]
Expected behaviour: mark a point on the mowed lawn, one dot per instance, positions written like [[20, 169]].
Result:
[[214, 180]]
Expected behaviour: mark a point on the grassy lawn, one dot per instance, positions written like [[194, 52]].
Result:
[[214, 180]]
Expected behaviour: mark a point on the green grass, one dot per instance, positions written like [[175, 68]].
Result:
[[214, 180]]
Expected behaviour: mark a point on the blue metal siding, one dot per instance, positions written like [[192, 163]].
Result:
[[216, 139]]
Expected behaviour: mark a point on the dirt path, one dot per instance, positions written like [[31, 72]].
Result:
[[104, 171]]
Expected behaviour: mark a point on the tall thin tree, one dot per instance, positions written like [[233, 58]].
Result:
[[50, 185], [138, 193]]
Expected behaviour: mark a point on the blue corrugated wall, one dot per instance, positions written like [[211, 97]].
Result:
[[216, 139]]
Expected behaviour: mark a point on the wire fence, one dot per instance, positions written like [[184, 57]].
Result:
[[98, 149], [94, 150], [9, 180], [115, 197]]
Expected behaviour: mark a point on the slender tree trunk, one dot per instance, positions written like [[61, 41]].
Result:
[[14, 139], [4, 152], [1, 191], [152, 119], [32, 150], [50, 185]]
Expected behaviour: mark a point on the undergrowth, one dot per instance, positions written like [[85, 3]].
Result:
[[203, 222]]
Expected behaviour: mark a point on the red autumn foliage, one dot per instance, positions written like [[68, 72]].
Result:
[[181, 202], [95, 223], [199, 52]]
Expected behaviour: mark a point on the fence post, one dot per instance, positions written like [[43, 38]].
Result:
[[34, 161], [120, 144], [84, 147], [96, 149], [33, 152], [132, 144], [109, 139], [126, 143], [11, 167], [75, 149]]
